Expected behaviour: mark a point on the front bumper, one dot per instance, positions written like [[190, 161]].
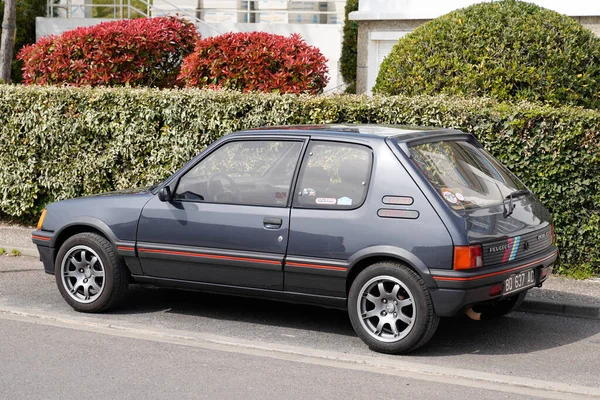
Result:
[[43, 241], [457, 290]]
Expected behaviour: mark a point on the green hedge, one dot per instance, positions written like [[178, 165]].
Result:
[[65, 142], [509, 50]]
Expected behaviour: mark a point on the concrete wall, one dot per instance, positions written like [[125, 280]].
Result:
[[365, 28], [430, 9], [591, 23], [56, 26]]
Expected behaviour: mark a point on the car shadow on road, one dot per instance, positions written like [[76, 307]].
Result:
[[142, 299], [517, 333]]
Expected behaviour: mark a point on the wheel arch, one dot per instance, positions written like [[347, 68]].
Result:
[[369, 256], [87, 224]]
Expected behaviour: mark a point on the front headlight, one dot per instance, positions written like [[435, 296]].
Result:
[[41, 221]]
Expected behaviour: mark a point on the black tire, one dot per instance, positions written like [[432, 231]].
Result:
[[113, 283], [425, 323], [500, 308]]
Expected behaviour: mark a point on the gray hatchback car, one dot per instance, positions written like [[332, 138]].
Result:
[[398, 225]]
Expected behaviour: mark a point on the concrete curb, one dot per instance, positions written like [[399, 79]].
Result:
[[563, 308], [25, 251]]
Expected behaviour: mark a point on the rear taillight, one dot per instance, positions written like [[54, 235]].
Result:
[[552, 235], [496, 289], [467, 257]]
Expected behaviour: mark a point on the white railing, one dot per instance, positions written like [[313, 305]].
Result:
[[248, 11], [118, 9], [115, 9]]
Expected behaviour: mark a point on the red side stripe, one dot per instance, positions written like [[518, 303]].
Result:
[[294, 264], [471, 278], [213, 256], [126, 248], [40, 237]]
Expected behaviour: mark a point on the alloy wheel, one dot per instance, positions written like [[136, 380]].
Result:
[[83, 274], [386, 309]]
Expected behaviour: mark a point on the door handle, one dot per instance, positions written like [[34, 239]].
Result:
[[272, 223]]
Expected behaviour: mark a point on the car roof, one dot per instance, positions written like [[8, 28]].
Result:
[[400, 132]]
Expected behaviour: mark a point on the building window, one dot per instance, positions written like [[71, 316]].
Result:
[[380, 46]]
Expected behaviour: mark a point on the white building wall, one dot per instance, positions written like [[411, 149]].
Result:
[[56, 26], [430, 9]]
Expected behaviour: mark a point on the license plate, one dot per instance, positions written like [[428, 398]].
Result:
[[520, 281]]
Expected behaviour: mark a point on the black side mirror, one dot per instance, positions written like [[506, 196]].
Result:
[[164, 194]]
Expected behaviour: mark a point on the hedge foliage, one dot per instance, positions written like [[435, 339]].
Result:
[[508, 50], [256, 61], [348, 58], [133, 52], [65, 142]]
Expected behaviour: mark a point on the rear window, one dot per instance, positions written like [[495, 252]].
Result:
[[466, 176]]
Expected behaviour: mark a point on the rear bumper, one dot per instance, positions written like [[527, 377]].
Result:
[[457, 290]]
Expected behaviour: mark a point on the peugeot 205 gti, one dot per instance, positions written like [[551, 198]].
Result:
[[400, 226]]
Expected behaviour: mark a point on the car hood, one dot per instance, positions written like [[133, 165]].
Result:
[[117, 211], [145, 190]]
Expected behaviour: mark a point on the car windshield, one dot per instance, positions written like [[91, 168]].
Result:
[[466, 176]]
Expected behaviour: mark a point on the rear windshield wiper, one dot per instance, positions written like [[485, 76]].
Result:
[[517, 193], [511, 206]]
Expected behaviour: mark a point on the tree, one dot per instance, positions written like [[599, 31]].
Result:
[[348, 58], [134, 52], [7, 44], [27, 10], [256, 61]]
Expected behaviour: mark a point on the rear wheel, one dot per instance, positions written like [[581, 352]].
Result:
[[500, 308], [89, 274], [391, 309]]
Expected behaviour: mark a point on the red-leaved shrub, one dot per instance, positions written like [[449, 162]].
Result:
[[135, 52], [256, 61]]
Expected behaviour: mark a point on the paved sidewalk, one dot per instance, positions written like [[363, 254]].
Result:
[[558, 296], [17, 237], [563, 296]]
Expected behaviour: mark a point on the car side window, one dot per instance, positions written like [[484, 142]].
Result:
[[334, 175], [250, 172]]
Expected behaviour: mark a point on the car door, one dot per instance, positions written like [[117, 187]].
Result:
[[228, 220], [326, 216]]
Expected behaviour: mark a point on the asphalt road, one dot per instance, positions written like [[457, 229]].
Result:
[[164, 343]]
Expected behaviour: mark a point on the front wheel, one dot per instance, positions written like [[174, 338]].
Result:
[[89, 274], [391, 309]]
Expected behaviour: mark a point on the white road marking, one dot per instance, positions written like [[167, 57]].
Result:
[[373, 364]]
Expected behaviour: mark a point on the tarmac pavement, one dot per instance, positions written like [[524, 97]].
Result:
[[166, 343]]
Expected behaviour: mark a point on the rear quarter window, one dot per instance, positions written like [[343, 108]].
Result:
[[334, 175]]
